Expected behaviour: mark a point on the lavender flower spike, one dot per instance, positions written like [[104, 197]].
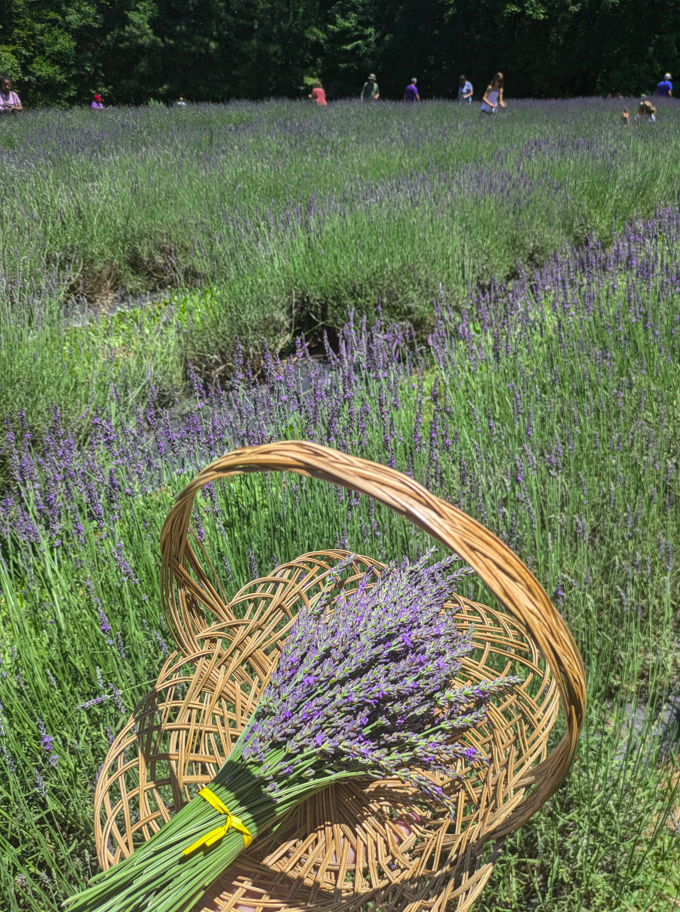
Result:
[[361, 680]]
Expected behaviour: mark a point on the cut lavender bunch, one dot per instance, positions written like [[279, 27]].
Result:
[[363, 687], [359, 681]]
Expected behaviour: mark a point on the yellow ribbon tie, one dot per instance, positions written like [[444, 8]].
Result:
[[215, 835]]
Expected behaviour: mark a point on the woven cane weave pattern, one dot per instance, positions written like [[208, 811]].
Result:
[[359, 843]]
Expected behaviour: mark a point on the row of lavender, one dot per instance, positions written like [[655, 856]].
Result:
[[582, 325], [547, 409], [283, 216]]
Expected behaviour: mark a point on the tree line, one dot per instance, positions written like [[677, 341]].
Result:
[[60, 52]]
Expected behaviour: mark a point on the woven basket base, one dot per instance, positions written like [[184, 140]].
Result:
[[361, 842]]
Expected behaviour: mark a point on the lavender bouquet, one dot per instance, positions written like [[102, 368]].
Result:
[[363, 687]]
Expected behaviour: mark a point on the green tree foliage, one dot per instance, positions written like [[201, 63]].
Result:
[[546, 48], [59, 52]]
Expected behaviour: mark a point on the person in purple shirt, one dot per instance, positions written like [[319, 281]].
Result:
[[665, 87], [411, 93]]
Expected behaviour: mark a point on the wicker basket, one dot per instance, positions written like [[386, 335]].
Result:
[[359, 842]]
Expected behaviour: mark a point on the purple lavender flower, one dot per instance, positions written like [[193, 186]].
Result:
[[7, 756], [368, 686], [104, 625], [118, 699], [47, 740], [162, 645], [94, 702], [126, 570], [40, 786]]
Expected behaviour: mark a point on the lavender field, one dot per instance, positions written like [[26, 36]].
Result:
[[262, 220], [523, 364]]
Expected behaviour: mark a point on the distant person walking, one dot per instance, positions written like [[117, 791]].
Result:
[[665, 87], [9, 100], [318, 94], [411, 93], [181, 103], [464, 90], [493, 97], [646, 112], [370, 91], [97, 103]]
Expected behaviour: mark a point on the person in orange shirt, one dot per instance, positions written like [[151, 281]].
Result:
[[318, 95]]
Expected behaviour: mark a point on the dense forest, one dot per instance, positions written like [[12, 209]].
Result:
[[58, 52]]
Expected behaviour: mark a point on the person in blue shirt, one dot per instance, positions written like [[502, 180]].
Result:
[[665, 87], [464, 90], [411, 93]]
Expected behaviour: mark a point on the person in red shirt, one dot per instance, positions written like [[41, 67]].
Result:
[[318, 95]]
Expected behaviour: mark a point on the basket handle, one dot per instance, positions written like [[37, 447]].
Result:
[[503, 572]]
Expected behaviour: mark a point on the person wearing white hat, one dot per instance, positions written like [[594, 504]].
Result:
[[370, 91], [665, 87]]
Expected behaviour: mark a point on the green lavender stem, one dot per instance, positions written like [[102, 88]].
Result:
[[158, 877]]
